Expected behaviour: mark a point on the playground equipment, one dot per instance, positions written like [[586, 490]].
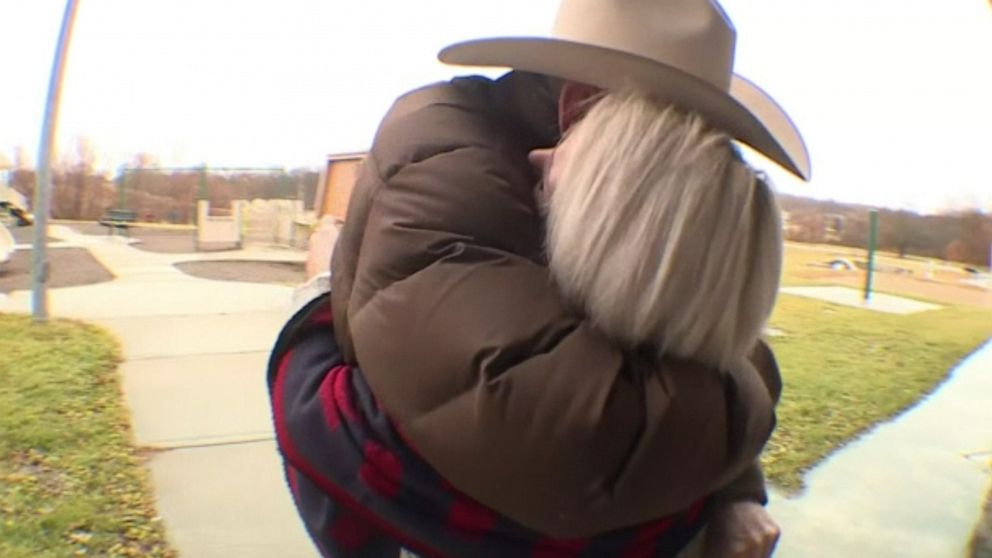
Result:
[[267, 222], [276, 222], [218, 228], [127, 180], [872, 239], [202, 170]]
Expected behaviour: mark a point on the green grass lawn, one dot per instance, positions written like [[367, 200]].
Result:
[[71, 484], [846, 369]]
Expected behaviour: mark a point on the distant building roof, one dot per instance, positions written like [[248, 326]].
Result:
[[347, 156]]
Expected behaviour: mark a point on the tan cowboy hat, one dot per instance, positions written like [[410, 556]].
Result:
[[680, 51]]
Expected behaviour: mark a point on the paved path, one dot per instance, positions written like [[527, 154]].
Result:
[[195, 353], [878, 302], [912, 487]]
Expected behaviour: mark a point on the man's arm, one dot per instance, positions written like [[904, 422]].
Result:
[[507, 391], [320, 247], [741, 527]]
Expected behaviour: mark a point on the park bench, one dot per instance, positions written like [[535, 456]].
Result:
[[118, 220]]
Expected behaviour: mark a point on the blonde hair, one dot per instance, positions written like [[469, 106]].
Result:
[[662, 234]]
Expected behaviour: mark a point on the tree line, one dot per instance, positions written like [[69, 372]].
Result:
[[81, 191], [959, 236]]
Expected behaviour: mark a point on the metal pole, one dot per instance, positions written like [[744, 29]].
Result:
[[202, 193], [42, 191], [872, 238], [122, 189]]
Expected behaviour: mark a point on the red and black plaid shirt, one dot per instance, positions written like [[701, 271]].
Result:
[[362, 492]]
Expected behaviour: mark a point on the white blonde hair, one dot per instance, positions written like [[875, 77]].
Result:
[[662, 234]]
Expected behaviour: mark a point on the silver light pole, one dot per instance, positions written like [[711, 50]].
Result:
[[42, 190]]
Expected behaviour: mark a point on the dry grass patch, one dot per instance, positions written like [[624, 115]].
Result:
[[71, 483]]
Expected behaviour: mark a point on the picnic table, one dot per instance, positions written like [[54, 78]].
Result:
[[118, 220]]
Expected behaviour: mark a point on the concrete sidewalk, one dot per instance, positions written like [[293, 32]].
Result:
[[195, 352], [911, 487]]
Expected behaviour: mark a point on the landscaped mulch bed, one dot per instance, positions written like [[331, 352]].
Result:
[[24, 235], [150, 239], [69, 267], [72, 267]]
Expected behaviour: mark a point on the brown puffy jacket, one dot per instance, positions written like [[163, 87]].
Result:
[[441, 295]]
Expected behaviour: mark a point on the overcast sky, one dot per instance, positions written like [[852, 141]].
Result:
[[892, 96]]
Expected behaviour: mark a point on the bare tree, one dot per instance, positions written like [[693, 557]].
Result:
[[899, 231], [22, 178], [975, 237], [82, 174]]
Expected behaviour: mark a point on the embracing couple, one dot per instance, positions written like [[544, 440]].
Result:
[[540, 330]]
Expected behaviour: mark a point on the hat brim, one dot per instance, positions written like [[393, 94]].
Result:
[[747, 113]]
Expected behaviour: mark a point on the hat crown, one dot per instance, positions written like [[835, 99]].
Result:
[[694, 36]]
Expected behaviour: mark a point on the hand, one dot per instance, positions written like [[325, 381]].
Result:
[[741, 530], [322, 242]]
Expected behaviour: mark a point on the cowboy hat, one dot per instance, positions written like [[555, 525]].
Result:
[[680, 51]]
